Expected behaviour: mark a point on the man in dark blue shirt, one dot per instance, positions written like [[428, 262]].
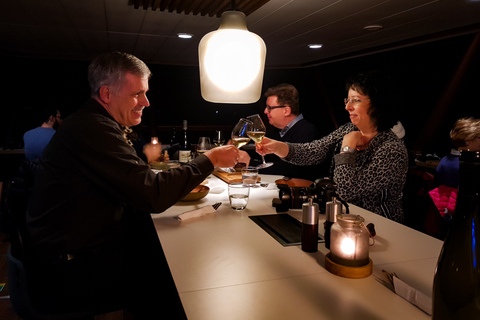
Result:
[[283, 112]]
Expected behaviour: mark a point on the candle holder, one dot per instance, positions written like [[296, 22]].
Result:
[[349, 246]]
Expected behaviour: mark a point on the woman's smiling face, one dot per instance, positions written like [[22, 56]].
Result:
[[358, 106]]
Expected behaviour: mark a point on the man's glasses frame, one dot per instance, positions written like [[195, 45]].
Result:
[[270, 108]]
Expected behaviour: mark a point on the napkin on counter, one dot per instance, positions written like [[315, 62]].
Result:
[[217, 190], [216, 187], [196, 213], [412, 295], [272, 186]]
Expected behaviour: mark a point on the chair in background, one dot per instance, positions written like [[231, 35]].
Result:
[[420, 211], [21, 299], [17, 195], [16, 201]]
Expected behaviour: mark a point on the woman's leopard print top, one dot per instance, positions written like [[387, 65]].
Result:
[[372, 178]]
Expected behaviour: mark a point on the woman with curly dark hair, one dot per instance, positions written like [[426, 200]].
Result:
[[369, 159]]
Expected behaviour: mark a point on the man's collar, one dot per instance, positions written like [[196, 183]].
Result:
[[290, 124]]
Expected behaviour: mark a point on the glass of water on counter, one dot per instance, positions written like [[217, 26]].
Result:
[[238, 194], [250, 176]]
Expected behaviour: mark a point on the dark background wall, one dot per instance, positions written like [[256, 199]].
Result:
[[439, 82]]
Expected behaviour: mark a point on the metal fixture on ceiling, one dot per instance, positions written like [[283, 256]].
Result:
[[202, 7]]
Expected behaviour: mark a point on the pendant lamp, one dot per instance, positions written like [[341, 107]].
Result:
[[232, 61]]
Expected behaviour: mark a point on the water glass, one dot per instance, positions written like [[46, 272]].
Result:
[[249, 176], [238, 194], [219, 139]]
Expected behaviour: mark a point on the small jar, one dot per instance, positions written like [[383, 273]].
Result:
[[349, 238]]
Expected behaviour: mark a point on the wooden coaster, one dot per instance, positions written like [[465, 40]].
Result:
[[348, 272]]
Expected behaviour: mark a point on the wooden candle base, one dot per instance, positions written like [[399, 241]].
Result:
[[348, 272]]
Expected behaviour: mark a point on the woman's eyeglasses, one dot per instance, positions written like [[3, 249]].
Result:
[[353, 101]]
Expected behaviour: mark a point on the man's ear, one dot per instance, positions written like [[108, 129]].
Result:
[[105, 94], [287, 111]]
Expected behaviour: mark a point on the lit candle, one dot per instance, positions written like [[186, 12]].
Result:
[[349, 241]]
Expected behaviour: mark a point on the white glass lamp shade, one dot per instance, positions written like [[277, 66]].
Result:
[[232, 61]]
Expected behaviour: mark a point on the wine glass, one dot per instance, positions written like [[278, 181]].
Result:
[[239, 133], [239, 137], [203, 145], [219, 139], [256, 133]]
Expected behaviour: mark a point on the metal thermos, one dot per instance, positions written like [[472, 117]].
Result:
[[310, 226], [332, 209]]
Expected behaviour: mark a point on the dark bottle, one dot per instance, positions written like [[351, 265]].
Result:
[[456, 287], [173, 139], [310, 226], [184, 154]]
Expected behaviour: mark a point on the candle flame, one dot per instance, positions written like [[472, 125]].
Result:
[[347, 246]]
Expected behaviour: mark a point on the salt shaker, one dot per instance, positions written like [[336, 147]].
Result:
[[310, 226], [332, 209]]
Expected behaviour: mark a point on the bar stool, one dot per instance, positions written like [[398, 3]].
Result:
[[20, 296]]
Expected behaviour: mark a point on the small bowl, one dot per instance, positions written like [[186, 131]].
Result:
[[163, 166], [197, 193]]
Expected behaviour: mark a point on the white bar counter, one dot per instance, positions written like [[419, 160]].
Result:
[[226, 267]]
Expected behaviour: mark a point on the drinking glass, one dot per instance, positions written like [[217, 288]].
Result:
[[256, 133], [239, 132], [239, 137], [250, 176], [238, 194], [219, 139], [203, 145]]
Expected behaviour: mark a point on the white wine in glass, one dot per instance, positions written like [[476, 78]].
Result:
[[240, 141], [239, 133], [203, 145], [239, 137], [256, 133]]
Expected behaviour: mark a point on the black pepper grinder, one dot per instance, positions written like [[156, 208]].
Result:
[[332, 209], [310, 226]]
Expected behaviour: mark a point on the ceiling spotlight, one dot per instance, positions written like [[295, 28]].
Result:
[[185, 35], [373, 27], [315, 45]]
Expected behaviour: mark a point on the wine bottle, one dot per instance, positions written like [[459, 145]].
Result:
[[173, 139], [184, 154], [456, 286]]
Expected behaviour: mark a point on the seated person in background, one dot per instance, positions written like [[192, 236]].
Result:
[[465, 135], [148, 152], [283, 113], [369, 160], [89, 219], [37, 139]]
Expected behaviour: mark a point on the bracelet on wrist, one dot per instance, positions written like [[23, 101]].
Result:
[[347, 149]]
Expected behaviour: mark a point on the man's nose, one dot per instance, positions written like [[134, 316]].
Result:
[[146, 103]]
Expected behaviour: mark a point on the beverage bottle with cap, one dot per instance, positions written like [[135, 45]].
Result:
[[456, 287]]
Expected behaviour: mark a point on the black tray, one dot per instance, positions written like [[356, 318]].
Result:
[[282, 227]]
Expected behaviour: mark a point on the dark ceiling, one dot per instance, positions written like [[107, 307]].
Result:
[[80, 29]]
